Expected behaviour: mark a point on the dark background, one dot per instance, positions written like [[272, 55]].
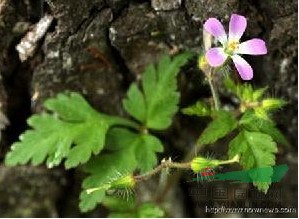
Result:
[[128, 35]]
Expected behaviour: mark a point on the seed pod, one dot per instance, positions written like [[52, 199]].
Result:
[[123, 183], [198, 164]]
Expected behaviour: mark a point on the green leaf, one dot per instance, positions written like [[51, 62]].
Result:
[[119, 204], [150, 210], [161, 94], [255, 150], [259, 93], [158, 101], [222, 124], [134, 104], [119, 207], [146, 148], [119, 138], [200, 108], [251, 122], [90, 201], [261, 113], [230, 85], [244, 92], [123, 215], [73, 131], [262, 186], [70, 107], [145, 145]]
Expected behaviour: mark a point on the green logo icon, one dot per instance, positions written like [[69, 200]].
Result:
[[257, 175]]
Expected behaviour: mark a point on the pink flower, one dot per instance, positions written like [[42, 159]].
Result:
[[231, 46]]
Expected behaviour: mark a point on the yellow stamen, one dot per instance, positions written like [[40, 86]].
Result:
[[232, 46]]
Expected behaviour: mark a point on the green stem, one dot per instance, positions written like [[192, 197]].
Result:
[[213, 90], [235, 159]]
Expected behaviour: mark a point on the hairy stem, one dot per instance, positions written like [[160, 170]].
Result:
[[209, 75], [213, 90], [164, 164]]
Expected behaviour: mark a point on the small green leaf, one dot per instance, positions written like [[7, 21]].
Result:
[[120, 207], [150, 210], [161, 94], [255, 150], [146, 148], [244, 92], [134, 104], [261, 113], [70, 107], [222, 124], [251, 122], [119, 138], [230, 85], [262, 186], [200, 108], [259, 93], [118, 204], [156, 104], [89, 201], [123, 215]]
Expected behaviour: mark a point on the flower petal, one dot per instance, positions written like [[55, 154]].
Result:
[[252, 47], [214, 27], [237, 26], [216, 56], [244, 69]]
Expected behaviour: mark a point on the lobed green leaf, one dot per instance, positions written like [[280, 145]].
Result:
[[73, 131], [200, 108], [156, 104], [255, 150], [135, 104], [222, 124], [251, 122], [119, 207]]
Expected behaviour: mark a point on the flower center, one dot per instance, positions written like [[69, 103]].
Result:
[[232, 47]]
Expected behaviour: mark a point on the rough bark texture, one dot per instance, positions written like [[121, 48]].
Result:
[[98, 47]]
